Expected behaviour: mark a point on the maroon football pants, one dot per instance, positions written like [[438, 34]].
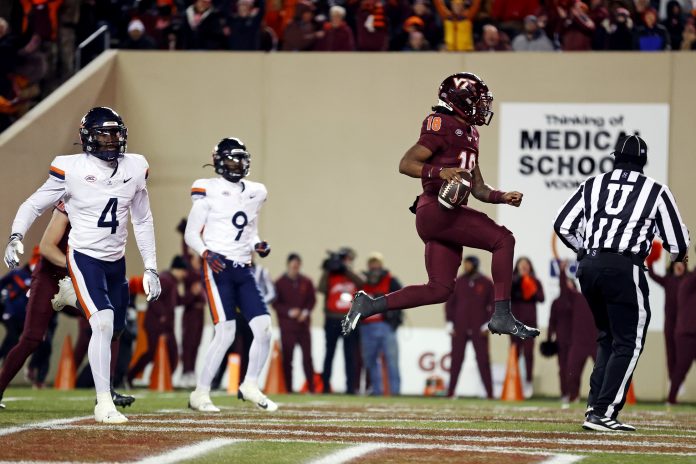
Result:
[[445, 233], [192, 330], [670, 348], [39, 313], [685, 354], [292, 334], [480, 342], [577, 358]]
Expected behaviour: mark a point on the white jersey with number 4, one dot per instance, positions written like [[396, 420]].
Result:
[[224, 217], [98, 198]]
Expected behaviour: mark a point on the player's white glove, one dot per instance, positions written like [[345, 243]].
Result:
[[14, 246], [151, 284]]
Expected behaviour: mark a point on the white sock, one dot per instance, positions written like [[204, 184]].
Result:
[[223, 338], [260, 347], [104, 398], [99, 351]]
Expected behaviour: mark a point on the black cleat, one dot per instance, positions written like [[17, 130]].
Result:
[[605, 424], [121, 400], [506, 324], [363, 307]]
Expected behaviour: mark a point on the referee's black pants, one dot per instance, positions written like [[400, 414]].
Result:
[[617, 291]]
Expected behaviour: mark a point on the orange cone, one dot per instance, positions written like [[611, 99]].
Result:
[[140, 342], [275, 381], [161, 377], [318, 384], [234, 365], [631, 395], [512, 386], [65, 377], [385, 376]]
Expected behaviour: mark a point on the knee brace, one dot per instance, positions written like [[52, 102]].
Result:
[[102, 322], [261, 327]]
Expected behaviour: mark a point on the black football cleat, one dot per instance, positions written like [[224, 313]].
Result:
[[122, 400], [504, 322], [363, 307], [605, 424]]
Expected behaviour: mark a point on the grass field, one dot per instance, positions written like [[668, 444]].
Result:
[[51, 426]]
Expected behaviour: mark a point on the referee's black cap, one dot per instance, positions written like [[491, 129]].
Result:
[[631, 149]]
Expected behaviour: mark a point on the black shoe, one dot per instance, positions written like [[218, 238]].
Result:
[[363, 307], [605, 424], [503, 322], [122, 400]]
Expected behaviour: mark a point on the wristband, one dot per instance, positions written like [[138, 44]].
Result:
[[430, 172], [496, 196]]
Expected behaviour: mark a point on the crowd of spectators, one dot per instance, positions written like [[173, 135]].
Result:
[[38, 37]]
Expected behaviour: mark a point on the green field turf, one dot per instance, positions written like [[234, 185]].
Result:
[[310, 427]]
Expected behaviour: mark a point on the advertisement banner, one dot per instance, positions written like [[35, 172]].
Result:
[[546, 151]]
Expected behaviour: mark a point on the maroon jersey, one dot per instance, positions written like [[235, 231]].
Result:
[[686, 302], [453, 143], [48, 267]]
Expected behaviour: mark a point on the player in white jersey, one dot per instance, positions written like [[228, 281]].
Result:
[[222, 227], [99, 188]]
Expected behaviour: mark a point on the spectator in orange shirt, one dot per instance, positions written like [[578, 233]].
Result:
[[457, 22]]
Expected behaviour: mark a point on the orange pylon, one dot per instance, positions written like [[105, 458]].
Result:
[[631, 395], [161, 377], [234, 365], [512, 386], [65, 377], [275, 381]]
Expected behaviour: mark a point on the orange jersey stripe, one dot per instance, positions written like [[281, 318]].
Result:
[[209, 290], [77, 288], [197, 190], [57, 171]]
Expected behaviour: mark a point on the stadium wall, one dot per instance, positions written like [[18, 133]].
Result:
[[326, 133]]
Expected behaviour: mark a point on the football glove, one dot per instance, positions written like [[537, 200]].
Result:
[[151, 284], [215, 260], [263, 249], [14, 246]]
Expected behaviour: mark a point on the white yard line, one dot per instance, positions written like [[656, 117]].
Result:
[[348, 454], [188, 452], [582, 446], [562, 459], [54, 423], [143, 418]]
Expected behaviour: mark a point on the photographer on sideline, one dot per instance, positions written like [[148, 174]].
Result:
[[338, 284]]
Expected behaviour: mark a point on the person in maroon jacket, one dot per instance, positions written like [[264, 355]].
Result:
[[294, 302], [336, 36], [670, 282], [560, 329], [684, 334], [468, 311], [526, 293], [159, 318], [583, 336], [192, 321]]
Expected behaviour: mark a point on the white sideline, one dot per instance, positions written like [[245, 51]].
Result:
[[42, 425], [188, 452], [348, 454], [562, 459]]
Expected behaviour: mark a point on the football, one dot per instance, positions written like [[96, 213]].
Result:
[[455, 193]]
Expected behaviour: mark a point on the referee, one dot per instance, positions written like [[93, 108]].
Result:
[[610, 221]]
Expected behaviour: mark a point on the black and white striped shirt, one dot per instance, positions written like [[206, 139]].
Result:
[[622, 210]]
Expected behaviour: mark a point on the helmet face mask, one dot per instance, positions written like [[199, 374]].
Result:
[[468, 97], [231, 160], [103, 134]]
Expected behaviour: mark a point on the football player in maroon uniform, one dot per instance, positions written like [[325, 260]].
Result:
[[447, 147]]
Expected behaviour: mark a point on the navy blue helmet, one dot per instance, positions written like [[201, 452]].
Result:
[[103, 134], [231, 159]]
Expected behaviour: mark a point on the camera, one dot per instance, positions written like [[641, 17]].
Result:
[[335, 262]]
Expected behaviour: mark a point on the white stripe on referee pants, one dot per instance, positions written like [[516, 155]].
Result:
[[642, 318]]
